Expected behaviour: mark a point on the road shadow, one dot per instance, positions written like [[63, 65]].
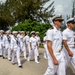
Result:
[[69, 71], [32, 59], [23, 61], [40, 53]]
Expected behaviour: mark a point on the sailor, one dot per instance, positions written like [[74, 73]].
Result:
[[33, 47], [2, 44], [27, 38], [56, 62], [16, 48], [45, 46], [8, 44], [38, 41], [23, 44], [19, 34], [69, 42]]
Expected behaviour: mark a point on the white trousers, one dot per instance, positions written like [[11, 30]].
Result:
[[52, 69], [4, 52], [45, 51], [9, 53], [68, 58], [24, 51], [37, 51], [35, 54], [1, 49], [17, 54], [28, 47]]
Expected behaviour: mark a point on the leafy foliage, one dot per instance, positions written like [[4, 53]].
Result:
[[13, 11], [30, 25]]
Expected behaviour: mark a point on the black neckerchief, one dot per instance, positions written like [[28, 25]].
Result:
[[9, 38]]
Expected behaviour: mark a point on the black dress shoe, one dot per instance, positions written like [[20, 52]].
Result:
[[9, 59], [20, 66], [3, 57]]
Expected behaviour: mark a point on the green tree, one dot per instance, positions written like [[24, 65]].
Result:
[[6, 18], [13, 11], [30, 25]]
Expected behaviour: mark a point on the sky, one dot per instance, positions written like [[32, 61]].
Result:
[[3, 0], [63, 7]]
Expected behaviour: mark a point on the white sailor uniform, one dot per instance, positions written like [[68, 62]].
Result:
[[27, 38], [69, 36], [33, 42], [55, 36], [2, 45], [16, 47], [38, 42], [23, 46], [8, 46], [45, 47]]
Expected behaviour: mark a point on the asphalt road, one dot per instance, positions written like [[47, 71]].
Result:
[[29, 67]]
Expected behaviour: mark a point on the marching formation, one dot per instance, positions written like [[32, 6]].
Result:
[[16, 43], [59, 47]]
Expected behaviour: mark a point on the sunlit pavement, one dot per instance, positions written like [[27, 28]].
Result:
[[29, 67]]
